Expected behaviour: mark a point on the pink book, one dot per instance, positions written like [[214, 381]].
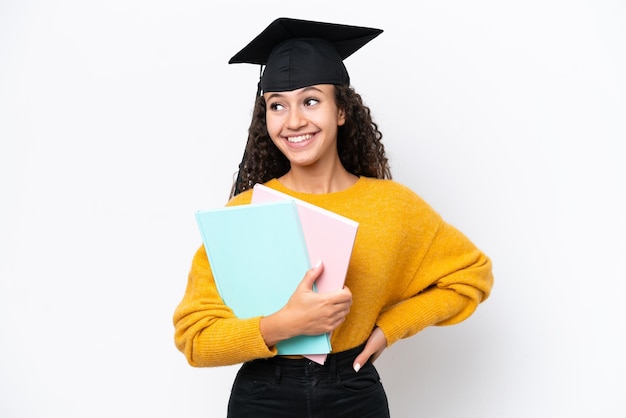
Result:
[[329, 237]]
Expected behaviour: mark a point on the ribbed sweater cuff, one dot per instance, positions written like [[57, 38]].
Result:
[[247, 338]]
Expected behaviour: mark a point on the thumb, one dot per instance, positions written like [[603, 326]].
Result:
[[311, 276]]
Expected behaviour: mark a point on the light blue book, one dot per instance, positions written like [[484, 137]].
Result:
[[258, 256]]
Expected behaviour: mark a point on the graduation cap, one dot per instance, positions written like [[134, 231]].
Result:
[[300, 53]]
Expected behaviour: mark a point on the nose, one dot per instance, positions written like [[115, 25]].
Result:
[[296, 118]]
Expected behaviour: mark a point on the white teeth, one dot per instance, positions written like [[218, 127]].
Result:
[[296, 139]]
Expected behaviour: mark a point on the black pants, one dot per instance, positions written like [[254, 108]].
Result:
[[300, 388]]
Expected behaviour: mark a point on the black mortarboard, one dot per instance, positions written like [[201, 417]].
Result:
[[300, 53]]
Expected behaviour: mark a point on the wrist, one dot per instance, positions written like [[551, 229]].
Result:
[[274, 329]]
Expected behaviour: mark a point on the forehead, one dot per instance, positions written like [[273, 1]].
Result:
[[326, 89]]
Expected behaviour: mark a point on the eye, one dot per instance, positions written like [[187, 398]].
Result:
[[311, 101], [275, 106]]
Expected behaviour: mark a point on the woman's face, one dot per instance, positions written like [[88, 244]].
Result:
[[303, 124]]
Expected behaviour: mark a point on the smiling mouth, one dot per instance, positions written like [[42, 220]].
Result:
[[299, 138]]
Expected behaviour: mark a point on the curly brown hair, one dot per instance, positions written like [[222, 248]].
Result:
[[359, 144]]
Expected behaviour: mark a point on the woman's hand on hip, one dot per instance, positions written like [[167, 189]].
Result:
[[375, 345]]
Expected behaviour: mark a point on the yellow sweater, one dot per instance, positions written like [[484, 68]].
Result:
[[409, 269]]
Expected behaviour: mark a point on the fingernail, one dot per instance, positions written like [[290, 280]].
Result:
[[318, 264], [357, 367]]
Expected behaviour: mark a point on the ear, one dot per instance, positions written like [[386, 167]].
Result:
[[341, 117]]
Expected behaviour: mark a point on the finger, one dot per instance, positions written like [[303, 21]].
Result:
[[341, 297], [312, 275], [361, 359]]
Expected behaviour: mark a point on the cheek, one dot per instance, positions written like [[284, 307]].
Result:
[[273, 130], [273, 125]]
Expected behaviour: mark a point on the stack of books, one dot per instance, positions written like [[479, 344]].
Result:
[[260, 252]]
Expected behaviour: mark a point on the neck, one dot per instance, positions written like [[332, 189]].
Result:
[[304, 180]]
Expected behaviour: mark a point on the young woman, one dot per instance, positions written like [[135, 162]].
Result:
[[312, 137]]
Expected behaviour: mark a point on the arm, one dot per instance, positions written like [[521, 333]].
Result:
[[451, 280], [458, 278], [209, 334], [206, 331]]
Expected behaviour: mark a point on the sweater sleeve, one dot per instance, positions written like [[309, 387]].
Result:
[[451, 280], [206, 331]]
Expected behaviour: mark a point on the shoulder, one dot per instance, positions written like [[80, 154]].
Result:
[[393, 192], [392, 209], [385, 185]]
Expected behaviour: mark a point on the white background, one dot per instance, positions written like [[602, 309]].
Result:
[[119, 119]]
